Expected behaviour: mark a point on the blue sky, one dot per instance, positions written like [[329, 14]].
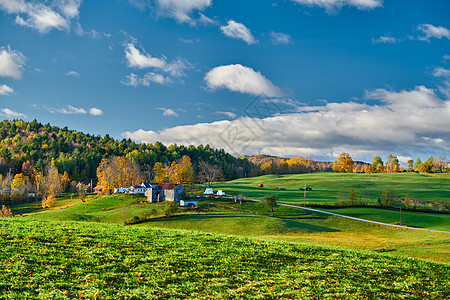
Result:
[[289, 77]]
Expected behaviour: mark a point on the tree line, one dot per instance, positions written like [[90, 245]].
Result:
[[434, 164]]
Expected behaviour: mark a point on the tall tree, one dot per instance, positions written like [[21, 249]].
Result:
[[376, 163], [392, 164], [208, 172], [117, 172], [181, 171], [344, 164], [160, 172]]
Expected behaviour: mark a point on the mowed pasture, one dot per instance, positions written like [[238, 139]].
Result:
[[326, 186], [255, 220], [88, 260]]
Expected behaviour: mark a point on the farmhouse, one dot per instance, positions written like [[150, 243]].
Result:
[[165, 191], [154, 192]]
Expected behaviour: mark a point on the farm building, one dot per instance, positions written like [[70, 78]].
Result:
[[137, 189], [154, 193], [208, 191], [220, 193], [188, 202], [121, 190], [98, 189], [165, 191]]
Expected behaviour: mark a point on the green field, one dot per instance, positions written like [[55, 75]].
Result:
[[326, 186], [254, 219], [89, 260]]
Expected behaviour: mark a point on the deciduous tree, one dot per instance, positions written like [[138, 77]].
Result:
[[344, 164], [160, 172]]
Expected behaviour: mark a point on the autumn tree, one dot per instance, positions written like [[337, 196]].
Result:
[[392, 164], [18, 187], [377, 165], [208, 172], [53, 182], [160, 172], [117, 172], [5, 212], [410, 165], [344, 164], [181, 171]]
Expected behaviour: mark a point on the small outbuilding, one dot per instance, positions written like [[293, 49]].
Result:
[[261, 185], [220, 193], [208, 191], [98, 189], [188, 203]]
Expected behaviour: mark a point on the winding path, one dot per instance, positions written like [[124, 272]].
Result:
[[352, 218]]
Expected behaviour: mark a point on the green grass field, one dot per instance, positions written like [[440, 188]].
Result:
[[89, 260], [326, 186], [285, 223]]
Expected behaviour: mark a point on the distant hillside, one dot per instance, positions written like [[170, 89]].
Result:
[[28, 147]]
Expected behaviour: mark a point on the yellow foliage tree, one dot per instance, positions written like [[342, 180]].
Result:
[[181, 171], [117, 172], [344, 164], [160, 172]]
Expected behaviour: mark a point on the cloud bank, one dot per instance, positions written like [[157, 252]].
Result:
[[76, 110], [404, 122], [239, 78], [180, 10], [332, 6], [41, 16]]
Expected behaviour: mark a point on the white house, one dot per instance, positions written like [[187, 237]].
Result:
[[137, 189], [220, 193], [121, 190]]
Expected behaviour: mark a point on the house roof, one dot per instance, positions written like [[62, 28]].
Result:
[[149, 184], [167, 186], [98, 187]]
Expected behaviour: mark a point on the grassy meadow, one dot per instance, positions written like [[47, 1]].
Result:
[[326, 186], [82, 250], [44, 259], [255, 220]]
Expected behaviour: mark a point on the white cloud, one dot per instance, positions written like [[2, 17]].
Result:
[[95, 111], [332, 6], [180, 10], [10, 114], [76, 110], [143, 60], [146, 80], [385, 40], [136, 59], [431, 31], [69, 110], [239, 78], [11, 63], [446, 57], [441, 72], [72, 73], [238, 31], [279, 38], [404, 122], [168, 112], [55, 14], [229, 114], [6, 90]]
